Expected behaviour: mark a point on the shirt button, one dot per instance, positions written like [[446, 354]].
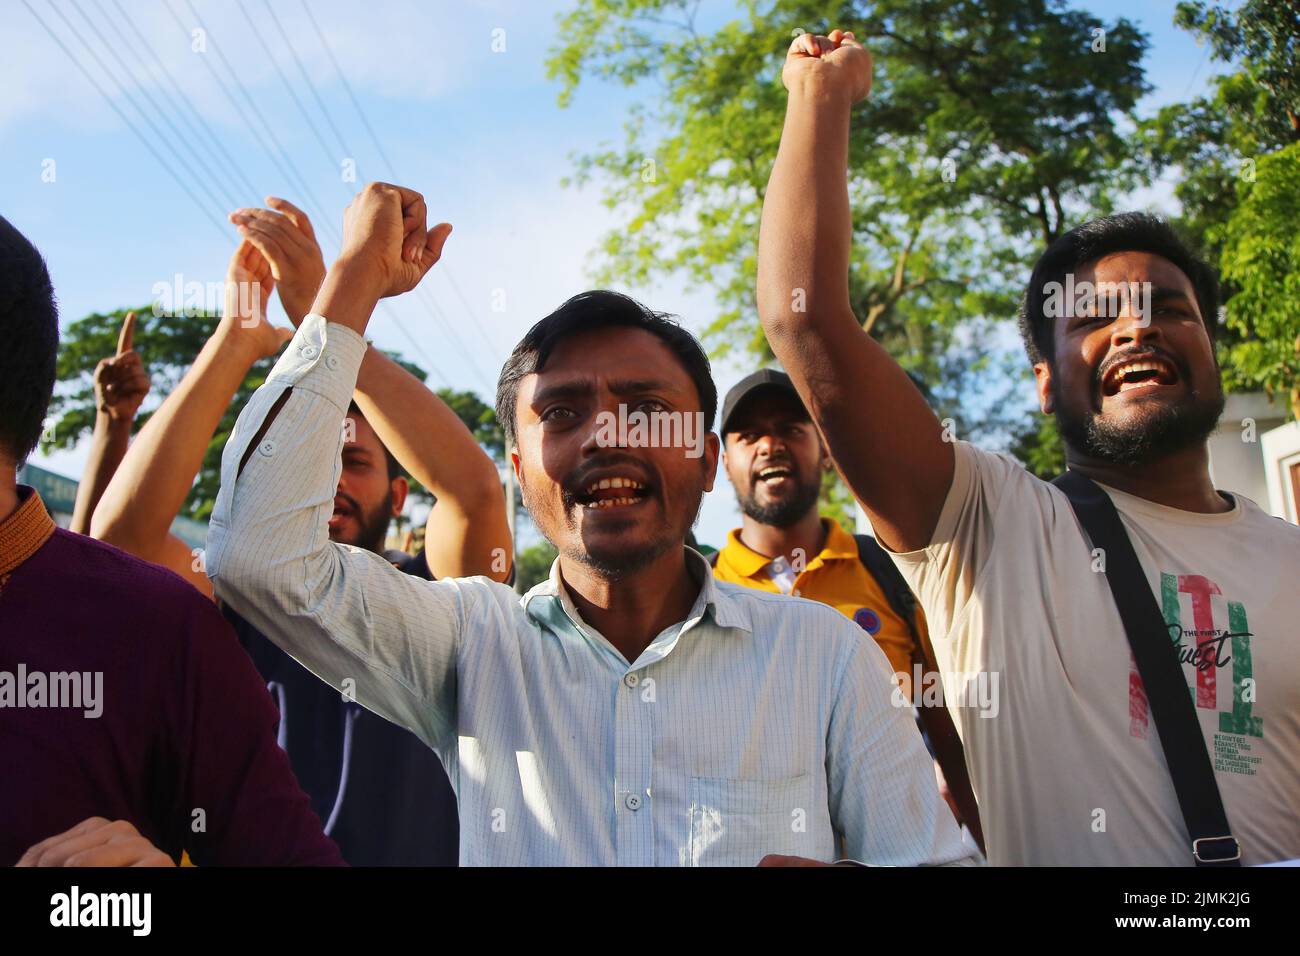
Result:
[[632, 801], [309, 351], [332, 362], [631, 680], [267, 448]]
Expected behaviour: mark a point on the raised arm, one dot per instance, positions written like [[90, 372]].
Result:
[[467, 532], [144, 497], [387, 639], [885, 440], [121, 383]]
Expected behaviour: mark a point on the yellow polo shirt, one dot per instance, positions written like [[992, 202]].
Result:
[[835, 577]]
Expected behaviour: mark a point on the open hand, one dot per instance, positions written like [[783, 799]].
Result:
[[286, 240], [121, 382], [96, 842], [837, 63], [249, 283]]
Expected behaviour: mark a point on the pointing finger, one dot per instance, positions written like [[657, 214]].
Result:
[[127, 335]]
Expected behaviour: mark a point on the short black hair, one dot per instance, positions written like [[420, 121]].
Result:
[[1123, 232], [395, 470], [600, 308], [29, 327]]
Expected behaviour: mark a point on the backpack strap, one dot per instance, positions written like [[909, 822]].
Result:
[[1177, 725], [936, 721]]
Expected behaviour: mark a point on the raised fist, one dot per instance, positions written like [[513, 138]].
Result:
[[385, 235], [121, 382], [286, 240], [837, 63]]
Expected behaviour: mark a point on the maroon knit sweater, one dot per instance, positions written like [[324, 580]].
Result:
[[184, 745]]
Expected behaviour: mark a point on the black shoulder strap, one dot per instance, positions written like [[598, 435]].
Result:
[[1162, 675], [891, 581]]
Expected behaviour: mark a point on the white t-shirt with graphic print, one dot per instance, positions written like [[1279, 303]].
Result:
[[1066, 763]]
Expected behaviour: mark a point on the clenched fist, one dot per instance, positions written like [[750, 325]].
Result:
[[385, 235], [837, 63], [121, 382]]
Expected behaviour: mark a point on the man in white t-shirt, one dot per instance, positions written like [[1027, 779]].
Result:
[[1118, 322]]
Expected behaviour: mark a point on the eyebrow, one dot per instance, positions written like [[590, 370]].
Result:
[[581, 388], [1164, 293]]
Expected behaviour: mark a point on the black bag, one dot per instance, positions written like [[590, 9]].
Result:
[[1179, 729]]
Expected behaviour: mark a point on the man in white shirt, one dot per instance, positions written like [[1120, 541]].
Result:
[[630, 710], [1070, 770]]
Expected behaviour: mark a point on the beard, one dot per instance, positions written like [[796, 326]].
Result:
[[612, 562], [782, 513], [373, 524], [1164, 431]]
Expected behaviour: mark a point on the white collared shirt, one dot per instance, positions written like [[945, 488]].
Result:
[[760, 724]]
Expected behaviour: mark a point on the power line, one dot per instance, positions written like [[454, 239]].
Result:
[[126, 95], [392, 174], [303, 70], [192, 111], [276, 155], [422, 290], [181, 138], [126, 119], [311, 124]]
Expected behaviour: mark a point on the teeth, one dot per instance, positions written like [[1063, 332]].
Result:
[[1119, 372], [605, 483], [612, 502]]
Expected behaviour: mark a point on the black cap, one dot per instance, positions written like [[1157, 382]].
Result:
[[763, 378]]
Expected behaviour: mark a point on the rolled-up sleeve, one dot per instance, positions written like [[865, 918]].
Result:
[[388, 640]]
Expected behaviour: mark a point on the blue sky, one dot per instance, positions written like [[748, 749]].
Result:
[[478, 131]]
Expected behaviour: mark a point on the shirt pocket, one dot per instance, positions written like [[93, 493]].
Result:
[[738, 822]]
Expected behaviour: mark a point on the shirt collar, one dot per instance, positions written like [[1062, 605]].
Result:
[[24, 531], [549, 602], [747, 562]]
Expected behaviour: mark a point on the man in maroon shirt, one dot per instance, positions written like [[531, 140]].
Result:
[[132, 725]]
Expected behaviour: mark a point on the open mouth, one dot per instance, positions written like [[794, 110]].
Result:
[[773, 476], [617, 491], [1141, 373], [342, 511]]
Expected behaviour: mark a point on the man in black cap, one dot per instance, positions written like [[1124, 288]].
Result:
[[775, 458]]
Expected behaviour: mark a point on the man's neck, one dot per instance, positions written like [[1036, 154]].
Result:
[[1180, 480], [8, 489], [807, 536], [631, 611]]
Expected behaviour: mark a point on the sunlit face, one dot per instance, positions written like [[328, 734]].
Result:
[[613, 508], [365, 500], [774, 458], [1130, 392]]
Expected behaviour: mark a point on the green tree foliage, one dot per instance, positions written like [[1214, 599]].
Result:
[[1234, 152], [533, 565], [168, 345], [1261, 258], [993, 126]]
